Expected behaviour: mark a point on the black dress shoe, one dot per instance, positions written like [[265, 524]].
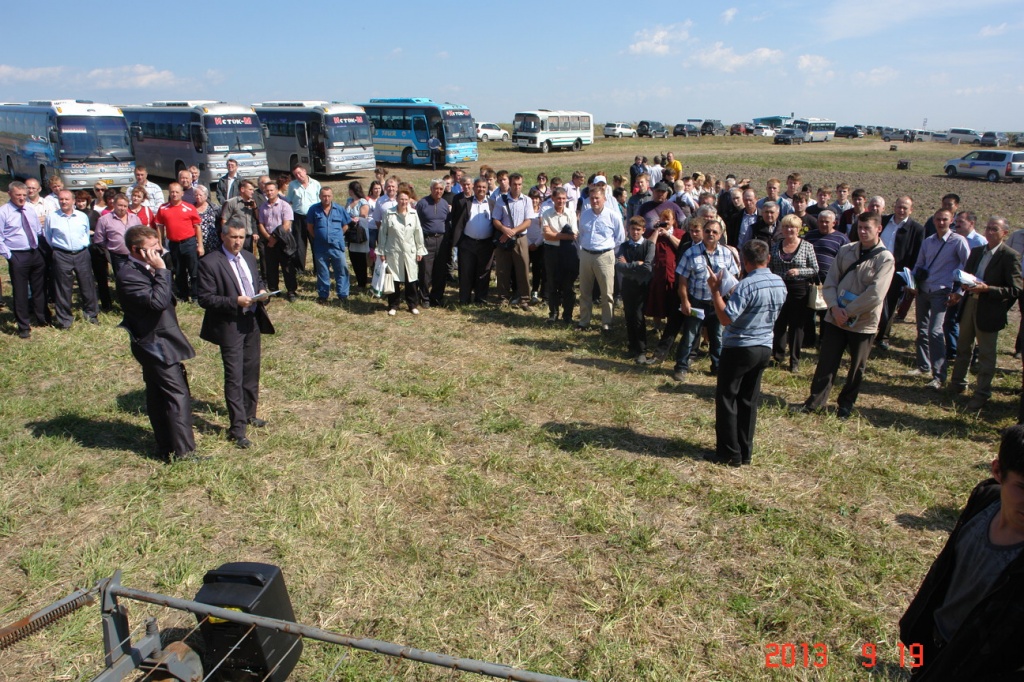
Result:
[[257, 422], [24, 333], [243, 443]]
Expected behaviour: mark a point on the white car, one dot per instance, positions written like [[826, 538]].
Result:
[[764, 131], [619, 130], [490, 131]]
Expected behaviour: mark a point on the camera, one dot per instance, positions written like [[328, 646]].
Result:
[[661, 223]]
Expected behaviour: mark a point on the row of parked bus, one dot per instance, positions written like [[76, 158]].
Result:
[[86, 141]]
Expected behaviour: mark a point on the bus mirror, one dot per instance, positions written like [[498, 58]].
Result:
[[301, 134], [266, 130], [53, 136], [137, 133]]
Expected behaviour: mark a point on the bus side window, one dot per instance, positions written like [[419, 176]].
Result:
[[419, 129]]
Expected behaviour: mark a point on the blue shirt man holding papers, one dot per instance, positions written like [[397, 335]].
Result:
[[749, 319]]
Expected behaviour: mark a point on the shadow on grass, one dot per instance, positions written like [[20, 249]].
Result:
[[576, 436], [134, 402], [933, 518], [92, 433]]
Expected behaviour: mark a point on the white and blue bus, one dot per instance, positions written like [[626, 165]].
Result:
[[170, 136], [404, 127], [546, 129], [815, 129], [81, 140], [332, 138]]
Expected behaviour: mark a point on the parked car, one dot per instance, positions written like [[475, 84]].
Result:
[[651, 129], [713, 126], [741, 129], [961, 135], [490, 131], [848, 131], [764, 131], [619, 130], [991, 139], [789, 136], [992, 165], [685, 130]]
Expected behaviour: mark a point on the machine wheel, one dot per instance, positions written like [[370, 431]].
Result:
[[407, 156], [483, 138]]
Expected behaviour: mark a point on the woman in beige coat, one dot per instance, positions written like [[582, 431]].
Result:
[[400, 245]]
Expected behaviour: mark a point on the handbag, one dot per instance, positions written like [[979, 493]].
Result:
[[815, 298], [383, 282], [358, 234]]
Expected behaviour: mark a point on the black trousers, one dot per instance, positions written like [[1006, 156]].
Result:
[[561, 268], [242, 375], [168, 404], [301, 239], [474, 273], [100, 274], [439, 276], [634, 298], [791, 325], [28, 270], [673, 320], [834, 342], [67, 266], [737, 395], [411, 294], [537, 265], [185, 255], [425, 279], [280, 262]]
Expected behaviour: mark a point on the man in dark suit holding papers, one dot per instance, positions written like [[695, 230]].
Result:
[[229, 289]]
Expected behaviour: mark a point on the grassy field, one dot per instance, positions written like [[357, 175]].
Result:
[[475, 482]]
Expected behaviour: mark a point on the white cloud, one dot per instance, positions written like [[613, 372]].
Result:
[[133, 76], [818, 69], [877, 76], [991, 31], [978, 90], [729, 14], [661, 40], [15, 74], [835, 20], [725, 58], [443, 54]]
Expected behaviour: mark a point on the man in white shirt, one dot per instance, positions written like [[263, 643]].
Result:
[[600, 232], [303, 194]]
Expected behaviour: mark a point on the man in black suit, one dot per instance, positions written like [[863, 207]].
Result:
[[903, 236], [144, 289], [997, 268], [229, 280]]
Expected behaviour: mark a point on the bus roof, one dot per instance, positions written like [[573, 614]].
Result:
[[319, 105], [203, 106], [294, 104], [422, 101], [69, 107], [554, 112]]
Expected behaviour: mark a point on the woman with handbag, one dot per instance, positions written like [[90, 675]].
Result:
[[359, 207], [400, 245], [792, 259]]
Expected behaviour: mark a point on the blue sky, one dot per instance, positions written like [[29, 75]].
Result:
[[954, 63]]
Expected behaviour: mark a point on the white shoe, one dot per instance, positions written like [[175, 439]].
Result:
[[917, 373], [392, 312], [415, 311], [935, 383]]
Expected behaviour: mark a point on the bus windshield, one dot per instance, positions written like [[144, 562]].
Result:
[[94, 138], [348, 129], [234, 133], [526, 123], [458, 125]]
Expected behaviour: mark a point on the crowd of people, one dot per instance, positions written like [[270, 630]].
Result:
[[758, 278]]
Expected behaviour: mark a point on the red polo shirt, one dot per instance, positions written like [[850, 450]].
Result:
[[180, 221]]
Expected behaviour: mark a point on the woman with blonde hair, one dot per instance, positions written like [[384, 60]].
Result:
[[792, 259], [400, 245]]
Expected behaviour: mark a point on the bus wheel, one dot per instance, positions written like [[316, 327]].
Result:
[[407, 157], [545, 147], [577, 146]]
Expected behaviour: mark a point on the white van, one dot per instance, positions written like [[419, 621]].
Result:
[[967, 135]]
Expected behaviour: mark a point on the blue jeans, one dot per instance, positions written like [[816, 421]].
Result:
[[327, 258], [691, 336]]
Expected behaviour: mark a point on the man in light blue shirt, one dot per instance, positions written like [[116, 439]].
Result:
[[303, 194], [600, 233], [941, 255], [67, 233], [749, 318], [327, 223]]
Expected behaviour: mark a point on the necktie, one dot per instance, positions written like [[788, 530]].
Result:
[[246, 286], [32, 243]]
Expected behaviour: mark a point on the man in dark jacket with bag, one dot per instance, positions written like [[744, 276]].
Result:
[[966, 619]]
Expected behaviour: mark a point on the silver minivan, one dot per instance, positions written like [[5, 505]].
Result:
[[964, 135], [992, 165]]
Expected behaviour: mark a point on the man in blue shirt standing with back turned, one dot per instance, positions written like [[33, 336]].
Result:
[[67, 232], [327, 223], [749, 318]]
